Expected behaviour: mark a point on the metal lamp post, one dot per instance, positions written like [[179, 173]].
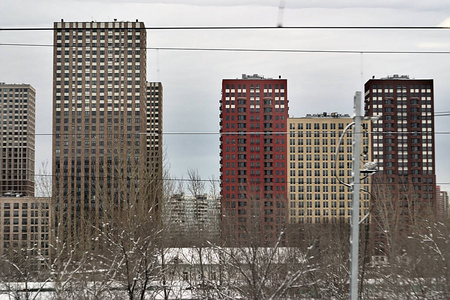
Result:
[[356, 186]]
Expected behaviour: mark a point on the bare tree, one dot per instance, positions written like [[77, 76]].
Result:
[[19, 274], [414, 244], [130, 229], [192, 220], [62, 269], [44, 181], [131, 255], [393, 213], [215, 211], [196, 186], [256, 272]]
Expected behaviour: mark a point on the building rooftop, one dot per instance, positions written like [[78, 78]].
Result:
[[15, 84], [254, 76], [396, 76], [322, 115]]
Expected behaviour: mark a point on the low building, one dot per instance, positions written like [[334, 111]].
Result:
[[25, 228], [191, 220], [442, 204]]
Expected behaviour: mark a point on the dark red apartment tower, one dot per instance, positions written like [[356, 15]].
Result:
[[404, 188], [253, 118]]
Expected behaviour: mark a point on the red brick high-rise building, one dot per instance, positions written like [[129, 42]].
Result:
[[404, 188], [253, 119]]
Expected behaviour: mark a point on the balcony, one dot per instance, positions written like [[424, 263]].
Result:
[[267, 102]]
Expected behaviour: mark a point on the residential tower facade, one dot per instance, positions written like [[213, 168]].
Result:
[[253, 118], [103, 162], [17, 135], [404, 148], [319, 168]]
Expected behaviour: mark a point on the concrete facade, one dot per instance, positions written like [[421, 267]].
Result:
[[17, 136], [316, 165], [107, 125]]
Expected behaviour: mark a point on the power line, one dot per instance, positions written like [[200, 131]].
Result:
[[442, 114], [204, 180], [297, 50], [243, 49], [125, 178], [239, 28], [244, 133]]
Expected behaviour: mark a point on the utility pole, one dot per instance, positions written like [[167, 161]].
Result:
[[356, 187]]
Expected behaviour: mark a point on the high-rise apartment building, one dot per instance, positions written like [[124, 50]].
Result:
[[17, 115], [253, 118], [107, 122], [319, 165], [403, 146], [154, 136]]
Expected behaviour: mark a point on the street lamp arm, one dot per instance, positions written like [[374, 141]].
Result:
[[337, 151]]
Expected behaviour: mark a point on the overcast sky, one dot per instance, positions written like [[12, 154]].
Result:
[[317, 82]]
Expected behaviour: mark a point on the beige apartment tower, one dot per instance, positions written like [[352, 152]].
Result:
[[107, 126], [17, 113], [317, 165]]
